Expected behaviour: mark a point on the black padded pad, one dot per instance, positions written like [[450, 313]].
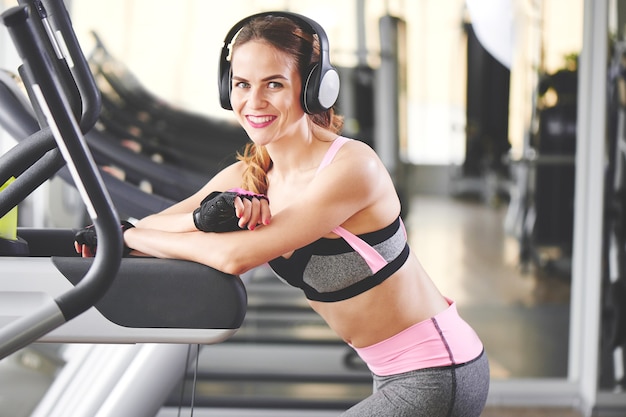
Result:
[[48, 242], [163, 293]]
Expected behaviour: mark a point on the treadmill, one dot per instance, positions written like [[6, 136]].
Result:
[[153, 307]]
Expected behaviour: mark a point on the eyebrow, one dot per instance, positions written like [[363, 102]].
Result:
[[271, 77]]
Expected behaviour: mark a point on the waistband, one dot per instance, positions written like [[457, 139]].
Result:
[[443, 340]]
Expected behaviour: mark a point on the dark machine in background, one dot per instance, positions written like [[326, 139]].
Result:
[[373, 101], [487, 111], [555, 143], [356, 102], [542, 198], [484, 172], [613, 326], [538, 183]]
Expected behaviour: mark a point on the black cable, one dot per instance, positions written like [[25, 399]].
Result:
[[182, 388]]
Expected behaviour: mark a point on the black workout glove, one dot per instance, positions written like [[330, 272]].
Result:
[[217, 211], [87, 236]]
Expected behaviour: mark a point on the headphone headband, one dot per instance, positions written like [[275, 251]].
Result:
[[320, 88]]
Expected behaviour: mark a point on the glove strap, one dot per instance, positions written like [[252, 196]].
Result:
[[248, 194], [125, 225]]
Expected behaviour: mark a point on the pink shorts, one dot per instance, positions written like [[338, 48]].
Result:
[[443, 340]]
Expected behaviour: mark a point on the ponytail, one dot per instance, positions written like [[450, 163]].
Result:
[[258, 164]]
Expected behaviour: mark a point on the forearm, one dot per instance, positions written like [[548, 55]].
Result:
[[206, 248], [174, 222], [153, 242]]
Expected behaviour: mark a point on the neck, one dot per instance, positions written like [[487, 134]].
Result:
[[300, 151]]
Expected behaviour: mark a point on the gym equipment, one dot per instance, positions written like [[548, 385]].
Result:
[[179, 137], [320, 87], [554, 185], [54, 312], [613, 333], [18, 118], [53, 299], [166, 181], [541, 210], [487, 96], [150, 300]]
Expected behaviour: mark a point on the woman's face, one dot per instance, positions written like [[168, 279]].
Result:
[[266, 92]]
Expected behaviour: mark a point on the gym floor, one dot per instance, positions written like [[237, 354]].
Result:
[[539, 412], [521, 313]]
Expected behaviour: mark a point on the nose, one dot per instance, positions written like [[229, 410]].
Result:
[[256, 98]]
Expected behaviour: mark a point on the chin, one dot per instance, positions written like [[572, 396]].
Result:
[[260, 140]]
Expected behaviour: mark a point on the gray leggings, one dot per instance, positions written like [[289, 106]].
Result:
[[450, 391]]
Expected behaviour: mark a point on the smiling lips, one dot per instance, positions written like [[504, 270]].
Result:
[[260, 121]]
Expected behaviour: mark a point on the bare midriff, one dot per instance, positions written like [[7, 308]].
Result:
[[402, 300]]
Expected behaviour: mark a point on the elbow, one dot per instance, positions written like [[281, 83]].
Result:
[[224, 253], [233, 268], [233, 264]]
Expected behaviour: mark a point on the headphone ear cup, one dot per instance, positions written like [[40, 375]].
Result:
[[310, 89], [320, 91], [225, 86], [328, 88]]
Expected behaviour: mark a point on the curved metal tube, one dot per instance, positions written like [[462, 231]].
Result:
[[69, 139]]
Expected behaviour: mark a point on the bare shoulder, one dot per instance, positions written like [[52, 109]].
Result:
[[356, 175], [355, 145], [360, 159]]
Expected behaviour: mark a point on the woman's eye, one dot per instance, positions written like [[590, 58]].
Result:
[[274, 84], [241, 84]]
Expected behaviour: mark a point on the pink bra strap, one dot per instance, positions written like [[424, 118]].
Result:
[[373, 259], [331, 152]]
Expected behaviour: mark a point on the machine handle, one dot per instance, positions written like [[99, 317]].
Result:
[[70, 141], [56, 19]]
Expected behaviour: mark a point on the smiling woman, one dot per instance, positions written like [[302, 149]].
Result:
[[323, 212]]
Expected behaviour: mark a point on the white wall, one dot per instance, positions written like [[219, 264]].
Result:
[[173, 47], [8, 60]]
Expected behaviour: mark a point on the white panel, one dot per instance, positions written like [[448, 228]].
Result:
[[586, 267], [36, 281]]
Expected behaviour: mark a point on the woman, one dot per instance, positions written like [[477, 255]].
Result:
[[323, 211]]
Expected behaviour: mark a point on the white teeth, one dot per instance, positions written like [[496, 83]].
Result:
[[260, 119]]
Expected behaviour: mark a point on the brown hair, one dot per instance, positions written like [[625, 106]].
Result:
[[285, 35]]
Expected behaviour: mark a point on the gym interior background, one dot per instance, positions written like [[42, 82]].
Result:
[[505, 151]]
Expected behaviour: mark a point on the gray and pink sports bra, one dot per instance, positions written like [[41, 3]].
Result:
[[337, 269]]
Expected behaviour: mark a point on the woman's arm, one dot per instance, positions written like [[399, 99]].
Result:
[[179, 218], [354, 191]]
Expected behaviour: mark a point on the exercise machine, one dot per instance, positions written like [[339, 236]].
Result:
[[49, 296]]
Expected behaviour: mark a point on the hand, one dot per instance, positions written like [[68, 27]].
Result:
[[232, 210], [251, 209], [86, 240]]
